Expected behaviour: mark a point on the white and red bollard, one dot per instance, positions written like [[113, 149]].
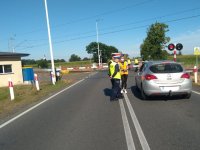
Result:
[[10, 85], [174, 55], [36, 82], [53, 79], [195, 70]]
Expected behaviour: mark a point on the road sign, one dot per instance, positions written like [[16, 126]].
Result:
[[196, 50]]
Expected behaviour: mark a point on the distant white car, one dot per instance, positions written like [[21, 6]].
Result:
[[163, 78]]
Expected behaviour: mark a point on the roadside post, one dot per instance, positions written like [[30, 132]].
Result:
[[195, 74], [10, 85], [36, 82], [196, 53]]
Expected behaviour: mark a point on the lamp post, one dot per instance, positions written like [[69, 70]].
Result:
[[50, 45], [98, 41]]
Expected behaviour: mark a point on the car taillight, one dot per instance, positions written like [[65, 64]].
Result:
[[185, 75], [150, 77]]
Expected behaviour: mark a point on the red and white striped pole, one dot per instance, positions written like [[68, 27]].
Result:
[[36, 82], [195, 70], [175, 55], [10, 85]]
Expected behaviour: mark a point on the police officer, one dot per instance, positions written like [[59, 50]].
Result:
[[116, 77]]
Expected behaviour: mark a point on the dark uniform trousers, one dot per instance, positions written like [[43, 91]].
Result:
[[116, 89]]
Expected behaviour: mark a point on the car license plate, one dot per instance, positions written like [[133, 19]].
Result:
[[169, 88]]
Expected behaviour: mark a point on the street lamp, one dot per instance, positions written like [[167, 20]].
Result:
[[50, 46], [98, 41]]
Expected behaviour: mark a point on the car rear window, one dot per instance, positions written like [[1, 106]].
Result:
[[166, 68]]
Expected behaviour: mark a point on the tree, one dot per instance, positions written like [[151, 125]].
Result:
[[155, 42], [105, 50], [43, 63], [85, 59], [74, 57]]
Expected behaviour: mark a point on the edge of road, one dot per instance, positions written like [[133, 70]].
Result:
[[3, 124]]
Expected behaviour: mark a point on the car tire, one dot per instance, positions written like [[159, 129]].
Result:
[[144, 96], [136, 85], [188, 96]]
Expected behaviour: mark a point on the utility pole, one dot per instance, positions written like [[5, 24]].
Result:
[[11, 44], [50, 45], [98, 41]]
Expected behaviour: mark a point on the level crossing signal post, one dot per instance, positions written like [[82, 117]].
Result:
[[175, 47]]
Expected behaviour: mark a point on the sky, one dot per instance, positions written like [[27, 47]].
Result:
[[121, 23]]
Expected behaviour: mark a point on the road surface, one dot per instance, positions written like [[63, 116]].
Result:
[[82, 117]]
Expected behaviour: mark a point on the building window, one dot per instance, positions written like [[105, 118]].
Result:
[[5, 69], [1, 68]]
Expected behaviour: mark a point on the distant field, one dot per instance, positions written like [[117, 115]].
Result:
[[187, 60], [67, 64], [74, 64]]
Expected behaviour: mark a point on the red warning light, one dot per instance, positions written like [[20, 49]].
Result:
[[171, 47]]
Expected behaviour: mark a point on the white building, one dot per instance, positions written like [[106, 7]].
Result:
[[11, 67]]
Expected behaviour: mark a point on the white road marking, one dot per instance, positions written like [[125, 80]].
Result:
[[143, 141], [127, 130], [25, 112], [196, 92]]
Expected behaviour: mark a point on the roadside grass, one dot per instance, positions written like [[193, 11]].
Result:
[[74, 64], [26, 95], [67, 64], [186, 60]]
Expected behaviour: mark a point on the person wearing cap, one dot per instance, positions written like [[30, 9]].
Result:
[[116, 77], [111, 66], [124, 74]]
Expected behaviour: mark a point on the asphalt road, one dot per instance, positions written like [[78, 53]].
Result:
[[82, 117]]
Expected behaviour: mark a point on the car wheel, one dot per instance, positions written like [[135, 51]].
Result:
[[188, 96], [136, 85], [144, 96]]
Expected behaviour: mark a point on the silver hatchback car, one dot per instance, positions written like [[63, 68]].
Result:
[[157, 78]]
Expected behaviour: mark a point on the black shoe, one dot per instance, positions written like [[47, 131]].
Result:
[[120, 96], [114, 99]]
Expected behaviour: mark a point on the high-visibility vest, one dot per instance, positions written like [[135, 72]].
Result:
[[129, 61], [124, 68], [136, 61], [112, 70]]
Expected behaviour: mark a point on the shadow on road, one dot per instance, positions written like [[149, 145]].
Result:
[[107, 92], [137, 94]]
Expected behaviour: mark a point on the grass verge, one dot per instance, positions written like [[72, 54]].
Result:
[[26, 95]]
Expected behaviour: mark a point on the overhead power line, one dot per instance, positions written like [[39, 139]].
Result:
[[112, 32], [127, 24], [92, 17]]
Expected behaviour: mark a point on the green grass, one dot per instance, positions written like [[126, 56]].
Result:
[[74, 64], [26, 94], [185, 59], [66, 64]]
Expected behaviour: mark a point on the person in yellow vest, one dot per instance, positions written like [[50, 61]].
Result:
[[124, 74], [116, 77], [110, 67], [129, 63], [136, 62]]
